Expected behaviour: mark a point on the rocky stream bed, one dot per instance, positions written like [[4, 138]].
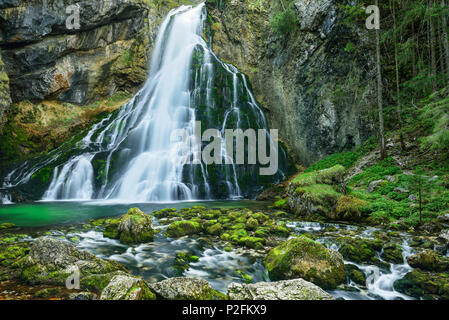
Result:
[[213, 253]]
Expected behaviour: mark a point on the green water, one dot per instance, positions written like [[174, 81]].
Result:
[[41, 214]]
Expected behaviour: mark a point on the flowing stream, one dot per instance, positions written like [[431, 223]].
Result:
[[131, 156], [154, 261]]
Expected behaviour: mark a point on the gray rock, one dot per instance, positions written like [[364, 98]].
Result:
[[127, 287], [401, 190], [44, 59], [5, 99], [373, 185], [444, 218], [296, 289], [301, 257], [311, 14], [52, 261], [185, 289], [390, 178], [444, 236], [285, 81], [83, 296]]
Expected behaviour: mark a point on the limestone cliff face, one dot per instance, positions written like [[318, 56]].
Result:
[[61, 80], [5, 99], [45, 60], [316, 92]]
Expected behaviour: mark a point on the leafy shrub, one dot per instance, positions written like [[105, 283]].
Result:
[[284, 22]]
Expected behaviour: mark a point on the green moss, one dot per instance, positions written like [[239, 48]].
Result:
[[280, 204], [392, 252], [244, 276], [252, 224], [355, 274], [182, 228], [349, 208], [302, 257], [331, 175], [360, 250], [260, 217], [7, 225], [215, 229], [426, 285]]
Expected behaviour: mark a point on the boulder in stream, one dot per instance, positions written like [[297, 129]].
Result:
[[52, 261], [296, 289], [183, 228], [305, 258], [428, 260], [127, 287], [132, 228], [185, 289]]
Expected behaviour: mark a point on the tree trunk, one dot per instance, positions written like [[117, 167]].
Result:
[[379, 95], [433, 55], [396, 66], [445, 39]]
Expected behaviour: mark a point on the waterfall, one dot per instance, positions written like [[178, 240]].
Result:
[[5, 198], [130, 156]]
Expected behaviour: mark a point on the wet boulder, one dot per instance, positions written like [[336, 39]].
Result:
[[296, 289], [305, 258], [392, 252], [315, 193], [183, 228], [185, 289], [349, 208], [355, 274], [132, 228], [423, 284], [127, 287], [360, 250], [51, 261], [428, 260]]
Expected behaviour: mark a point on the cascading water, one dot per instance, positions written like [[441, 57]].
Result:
[[5, 198], [130, 155]]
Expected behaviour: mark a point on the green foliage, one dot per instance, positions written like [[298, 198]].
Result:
[[383, 168], [346, 159], [284, 22], [327, 176], [350, 47]]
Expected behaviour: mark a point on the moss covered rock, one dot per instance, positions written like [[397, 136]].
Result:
[[132, 228], [11, 253], [51, 261], [428, 260], [7, 225], [349, 208], [392, 252], [252, 223], [360, 250], [297, 289], [183, 228], [355, 274], [185, 289], [127, 287], [215, 229], [423, 284], [304, 258]]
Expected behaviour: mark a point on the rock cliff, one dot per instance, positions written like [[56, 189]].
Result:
[[315, 82]]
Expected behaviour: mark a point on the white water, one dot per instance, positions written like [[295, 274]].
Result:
[[129, 156], [5, 198], [75, 180]]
